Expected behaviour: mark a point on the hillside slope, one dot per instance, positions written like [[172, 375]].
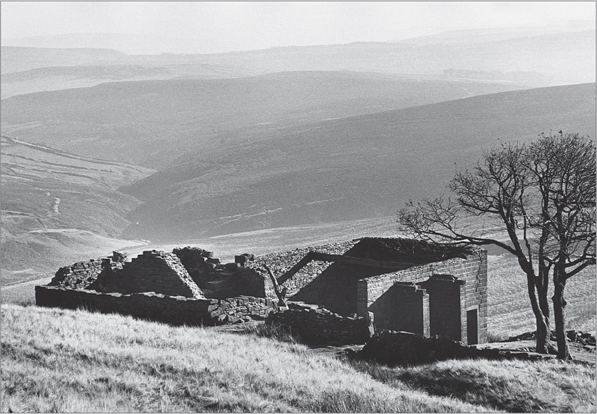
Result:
[[352, 168], [56, 205], [154, 122], [76, 361], [67, 77]]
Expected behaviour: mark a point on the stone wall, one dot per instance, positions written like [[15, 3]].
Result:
[[447, 310], [151, 271], [188, 271], [78, 275], [472, 270], [336, 288], [321, 326], [174, 310], [224, 280], [406, 348], [403, 307], [280, 262]]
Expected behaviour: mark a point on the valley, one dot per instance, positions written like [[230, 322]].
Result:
[[292, 174], [243, 165], [152, 123], [57, 205], [266, 149], [358, 167]]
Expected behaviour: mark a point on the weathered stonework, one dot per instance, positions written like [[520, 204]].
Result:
[[407, 348], [152, 271], [321, 326], [78, 275], [356, 288], [174, 310], [403, 307], [362, 280], [157, 286]]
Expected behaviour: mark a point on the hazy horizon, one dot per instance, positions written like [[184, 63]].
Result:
[[212, 27]]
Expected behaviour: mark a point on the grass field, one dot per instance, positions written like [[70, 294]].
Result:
[[74, 361], [509, 310]]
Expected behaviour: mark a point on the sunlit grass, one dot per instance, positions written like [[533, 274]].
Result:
[[58, 360], [509, 311]]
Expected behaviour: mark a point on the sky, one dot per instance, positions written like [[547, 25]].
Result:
[[256, 25]]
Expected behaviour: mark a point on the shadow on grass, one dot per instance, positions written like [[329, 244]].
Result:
[[261, 329], [518, 388]]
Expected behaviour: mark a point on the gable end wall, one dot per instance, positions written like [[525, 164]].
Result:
[[472, 270]]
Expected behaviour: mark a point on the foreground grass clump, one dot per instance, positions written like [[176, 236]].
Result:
[[74, 361], [512, 386]]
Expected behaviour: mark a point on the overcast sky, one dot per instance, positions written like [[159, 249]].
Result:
[[253, 25]]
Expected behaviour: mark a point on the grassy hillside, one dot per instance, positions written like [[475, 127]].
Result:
[[353, 168], [67, 77], [56, 205], [55, 360], [154, 122]]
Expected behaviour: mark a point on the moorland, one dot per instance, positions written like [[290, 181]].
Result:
[[264, 151]]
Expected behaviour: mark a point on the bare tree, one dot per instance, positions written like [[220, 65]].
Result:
[[563, 169], [520, 198]]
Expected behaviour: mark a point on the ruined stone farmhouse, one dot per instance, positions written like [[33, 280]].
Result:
[[337, 294]]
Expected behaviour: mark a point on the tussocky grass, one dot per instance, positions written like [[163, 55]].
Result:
[[511, 386], [75, 361]]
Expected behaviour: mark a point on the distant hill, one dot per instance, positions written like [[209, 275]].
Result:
[[357, 167], [125, 43], [56, 204], [67, 77], [550, 55], [543, 57], [154, 122], [17, 59], [496, 34]]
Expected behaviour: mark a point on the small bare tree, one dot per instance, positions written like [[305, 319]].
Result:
[[526, 200], [280, 291]]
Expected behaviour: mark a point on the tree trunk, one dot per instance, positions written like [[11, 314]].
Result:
[[543, 328], [542, 336], [559, 305], [280, 292], [543, 343]]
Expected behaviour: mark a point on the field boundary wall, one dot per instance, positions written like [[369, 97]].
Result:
[[174, 310]]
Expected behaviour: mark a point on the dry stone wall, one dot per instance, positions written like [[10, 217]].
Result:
[[280, 262], [84, 274], [78, 275], [224, 280], [321, 326], [174, 310], [151, 271], [407, 348]]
